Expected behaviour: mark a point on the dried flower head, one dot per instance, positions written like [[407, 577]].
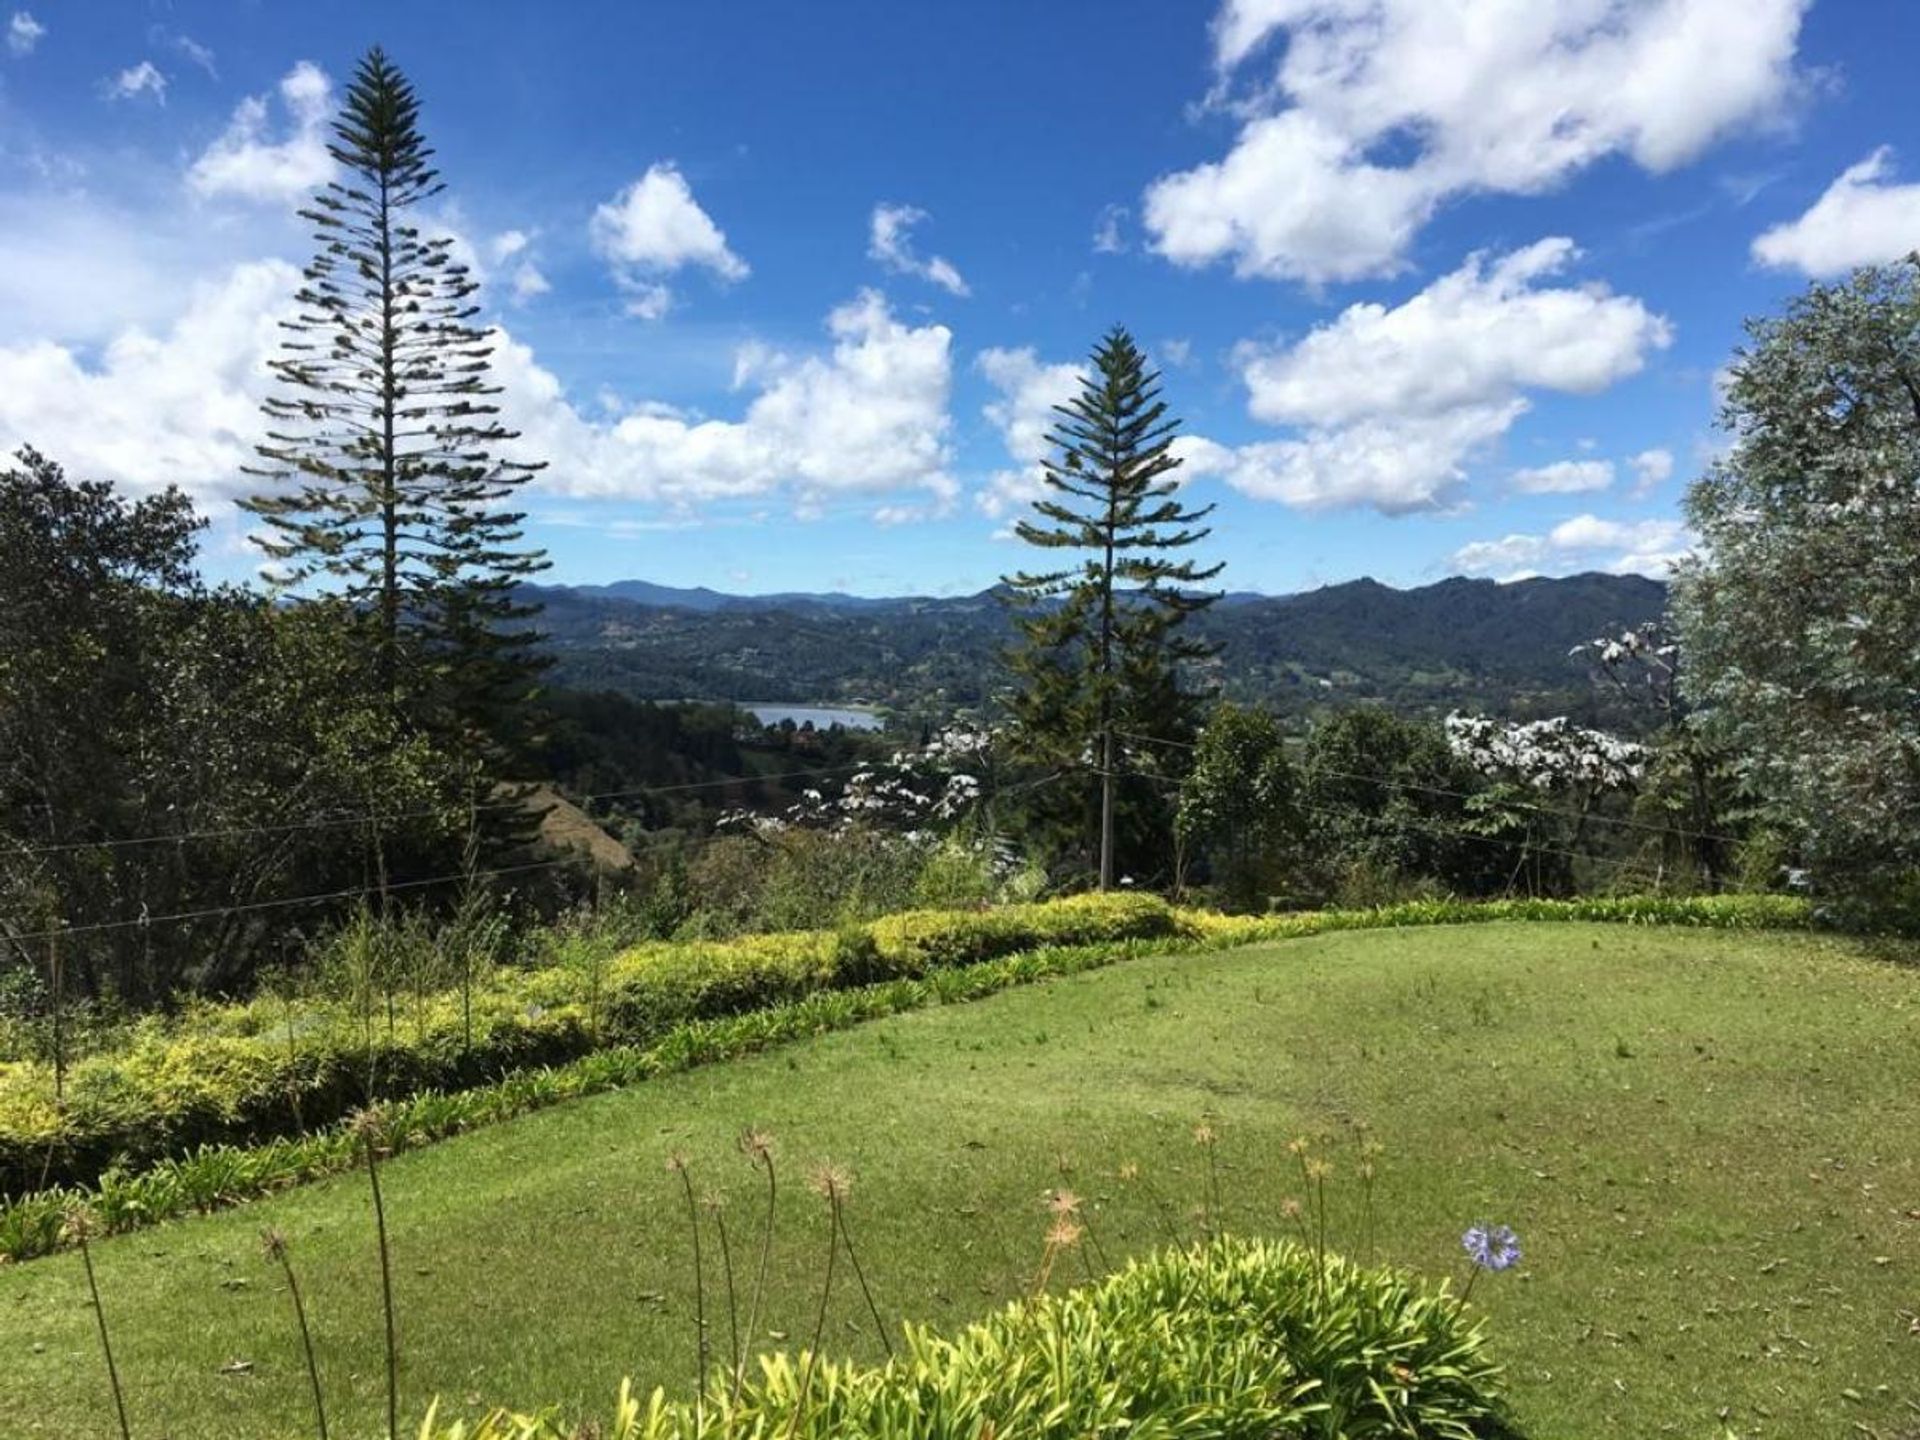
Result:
[[713, 1202], [1129, 1172], [1299, 1145], [830, 1181], [1366, 1169], [1065, 1233], [78, 1225], [1204, 1133], [756, 1145], [676, 1163], [273, 1243], [1319, 1169], [1063, 1202], [366, 1125], [1491, 1247], [1291, 1208]]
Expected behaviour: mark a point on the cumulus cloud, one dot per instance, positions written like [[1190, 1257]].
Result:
[[1564, 477], [248, 163], [1585, 542], [1651, 469], [890, 241], [1864, 218], [1107, 236], [654, 228], [1026, 390], [511, 249], [867, 418], [1511, 97], [136, 81], [173, 408], [23, 33], [1389, 403]]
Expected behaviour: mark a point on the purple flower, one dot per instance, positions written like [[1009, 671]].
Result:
[[1491, 1247]]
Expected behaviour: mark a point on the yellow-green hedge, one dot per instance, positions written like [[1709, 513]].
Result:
[[231, 1073]]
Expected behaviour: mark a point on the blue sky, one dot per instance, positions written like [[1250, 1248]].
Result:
[[1438, 286]]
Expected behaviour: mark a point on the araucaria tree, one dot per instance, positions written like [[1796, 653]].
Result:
[[388, 482], [1100, 662], [1800, 621]]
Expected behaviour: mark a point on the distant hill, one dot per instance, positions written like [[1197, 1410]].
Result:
[[1459, 643]]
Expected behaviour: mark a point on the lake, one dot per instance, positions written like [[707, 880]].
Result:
[[821, 717]]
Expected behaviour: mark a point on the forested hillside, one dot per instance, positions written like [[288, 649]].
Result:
[[1460, 643]]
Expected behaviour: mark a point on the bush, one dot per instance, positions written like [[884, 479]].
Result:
[[270, 1068], [1245, 1338]]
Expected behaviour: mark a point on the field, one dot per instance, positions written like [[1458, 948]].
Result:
[[1705, 1139]]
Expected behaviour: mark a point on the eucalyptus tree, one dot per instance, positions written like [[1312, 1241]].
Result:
[[1100, 655], [389, 480], [1800, 616]]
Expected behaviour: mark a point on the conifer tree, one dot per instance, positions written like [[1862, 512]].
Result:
[[1101, 650], [383, 453]]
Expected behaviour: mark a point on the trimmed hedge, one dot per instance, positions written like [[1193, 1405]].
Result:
[[1240, 1338], [215, 1176], [234, 1073]]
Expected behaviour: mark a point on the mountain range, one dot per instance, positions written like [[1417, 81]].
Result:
[[1500, 648]]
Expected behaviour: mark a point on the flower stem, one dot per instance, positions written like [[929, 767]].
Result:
[[106, 1345], [386, 1286]]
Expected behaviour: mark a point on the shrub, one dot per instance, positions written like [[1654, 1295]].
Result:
[[255, 1071], [1236, 1338]]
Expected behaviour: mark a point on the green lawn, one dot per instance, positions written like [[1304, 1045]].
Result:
[[1710, 1143]]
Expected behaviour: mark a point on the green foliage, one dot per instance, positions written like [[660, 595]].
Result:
[[928, 950], [1237, 806], [383, 461], [1238, 1338], [249, 1072], [1388, 804], [1100, 645], [226, 737], [1800, 615]]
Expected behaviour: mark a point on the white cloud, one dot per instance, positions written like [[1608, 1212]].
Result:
[[1585, 542], [1504, 96], [1396, 466], [1107, 236], [1177, 353], [890, 242], [525, 281], [1863, 219], [1390, 403], [1564, 477], [654, 228], [201, 55], [246, 163], [135, 81], [1028, 389], [23, 33], [179, 407], [1651, 469], [528, 282], [507, 244], [868, 418]]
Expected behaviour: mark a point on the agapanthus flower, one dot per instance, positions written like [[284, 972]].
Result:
[[1491, 1247]]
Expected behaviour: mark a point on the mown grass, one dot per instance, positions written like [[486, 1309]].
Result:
[[1706, 1140]]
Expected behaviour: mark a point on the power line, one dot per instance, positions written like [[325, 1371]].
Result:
[[1624, 821], [366, 818]]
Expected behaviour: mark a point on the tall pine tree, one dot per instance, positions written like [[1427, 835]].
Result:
[[1101, 651], [383, 452]]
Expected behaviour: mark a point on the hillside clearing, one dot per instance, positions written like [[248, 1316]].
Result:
[[1704, 1139]]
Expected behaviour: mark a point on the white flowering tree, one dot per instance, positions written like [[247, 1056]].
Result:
[[1800, 615], [1548, 777], [1689, 790], [936, 798]]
